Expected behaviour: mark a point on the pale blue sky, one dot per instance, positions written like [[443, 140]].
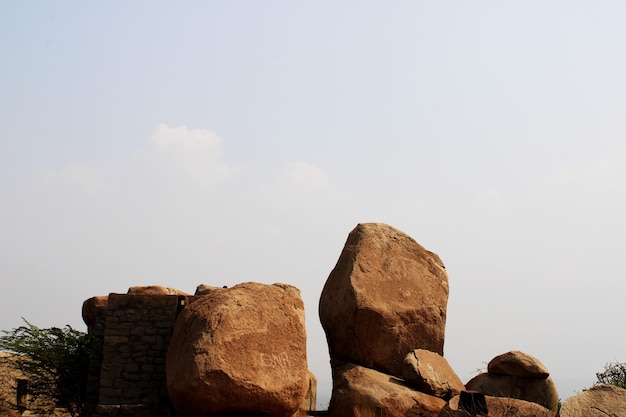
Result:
[[219, 142]]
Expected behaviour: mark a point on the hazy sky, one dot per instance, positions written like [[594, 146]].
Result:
[[147, 142]]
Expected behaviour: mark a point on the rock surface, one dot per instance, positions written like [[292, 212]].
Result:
[[499, 407], [430, 373], [598, 401], [154, 290], [204, 289], [517, 363], [518, 375], [386, 296], [92, 306], [359, 391], [240, 350], [541, 391]]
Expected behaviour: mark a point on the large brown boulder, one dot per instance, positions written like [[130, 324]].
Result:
[[386, 296], [518, 375], [499, 407], [360, 391], [597, 401], [431, 373], [240, 350]]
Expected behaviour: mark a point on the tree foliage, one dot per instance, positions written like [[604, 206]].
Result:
[[614, 374], [55, 360]]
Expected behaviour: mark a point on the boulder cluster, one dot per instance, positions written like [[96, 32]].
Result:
[[383, 309], [242, 350]]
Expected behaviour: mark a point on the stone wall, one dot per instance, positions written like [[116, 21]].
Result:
[[127, 371], [14, 390], [9, 379]]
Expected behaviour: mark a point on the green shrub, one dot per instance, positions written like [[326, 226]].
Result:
[[614, 374]]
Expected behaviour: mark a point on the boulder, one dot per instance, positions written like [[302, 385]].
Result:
[[360, 391], [204, 289], [431, 373], [518, 375], [386, 296], [499, 407], [154, 290], [597, 401], [541, 391], [240, 350], [92, 307], [516, 363]]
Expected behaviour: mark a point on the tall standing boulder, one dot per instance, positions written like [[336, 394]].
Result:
[[240, 350], [386, 296]]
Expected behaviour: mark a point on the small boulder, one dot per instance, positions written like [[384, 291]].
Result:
[[360, 391], [92, 307], [516, 363], [598, 401], [541, 391], [240, 350], [204, 289], [518, 375], [386, 296], [154, 290], [431, 373]]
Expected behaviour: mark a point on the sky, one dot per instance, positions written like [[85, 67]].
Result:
[[174, 144]]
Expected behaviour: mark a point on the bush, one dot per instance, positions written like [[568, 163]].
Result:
[[56, 361], [614, 374]]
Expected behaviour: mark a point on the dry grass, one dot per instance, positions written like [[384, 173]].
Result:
[[369, 411]]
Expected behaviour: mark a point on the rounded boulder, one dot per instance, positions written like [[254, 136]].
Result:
[[239, 350]]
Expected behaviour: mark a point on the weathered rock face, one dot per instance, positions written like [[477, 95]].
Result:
[[240, 350], [91, 307], [360, 391], [204, 289], [386, 296], [516, 363], [499, 407], [515, 378], [154, 290], [597, 401], [431, 373]]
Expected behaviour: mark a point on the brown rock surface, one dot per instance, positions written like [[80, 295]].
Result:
[[360, 391], [240, 350], [597, 401], [500, 407], [204, 289], [537, 390], [516, 363], [431, 373], [386, 296], [154, 290], [91, 307]]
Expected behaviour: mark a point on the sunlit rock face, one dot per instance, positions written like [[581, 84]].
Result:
[[598, 401], [240, 350], [518, 375], [386, 296]]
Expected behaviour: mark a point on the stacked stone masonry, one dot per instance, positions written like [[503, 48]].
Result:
[[127, 371]]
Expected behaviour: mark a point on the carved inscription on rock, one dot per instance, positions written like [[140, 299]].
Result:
[[272, 360]]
